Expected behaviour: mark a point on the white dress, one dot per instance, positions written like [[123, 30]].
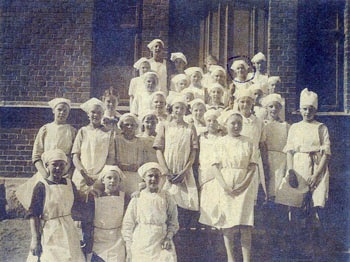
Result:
[[208, 185], [60, 238], [50, 136], [177, 141], [233, 155], [108, 241], [95, 146], [307, 142], [141, 103], [146, 223], [161, 70], [276, 139]]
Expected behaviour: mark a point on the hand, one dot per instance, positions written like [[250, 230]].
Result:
[[35, 247], [312, 181], [89, 181], [178, 179], [95, 192], [166, 243]]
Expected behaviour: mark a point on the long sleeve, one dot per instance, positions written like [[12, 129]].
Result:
[[38, 148], [172, 221], [129, 222]]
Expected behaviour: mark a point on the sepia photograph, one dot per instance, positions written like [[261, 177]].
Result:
[[174, 130]]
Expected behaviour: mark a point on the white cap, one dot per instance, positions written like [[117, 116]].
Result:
[[54, 102], [191, 70], [216, 85], [308, 98], [176, 98], [178, 55], [237, 63], [151, 73], [259, 86], [148, 166], [197, 101], [158, 93], [125, 116], [179, 77], [258, 57], [92, 102], [271, 98], [54, 155], [108, 168], [225, 115], [244, 92], [154, 42], [273, 80], [215, 68], [210, 113], [139, 62]]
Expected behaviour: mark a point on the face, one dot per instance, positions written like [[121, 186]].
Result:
[[234, 125], [241, 71], [178, 109], [245, 104], [189, 97], [273, 109], [153, 179], [158, 102], [257, 95], [212, 124], [216, 94], [128, 126], [111, 181], [144, 67], [111, 102], [61, 112], [259, 65], [308, 113], [157, 48], [150, 122], [150, 83], [179, 64], [210, 61], [181, 85], [56, 168], [198, 111], [95, 115], [219, 77], [196, 77]]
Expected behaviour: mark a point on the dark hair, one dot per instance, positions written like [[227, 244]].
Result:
[[110, 92]]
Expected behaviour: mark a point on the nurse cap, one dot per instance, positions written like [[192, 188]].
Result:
[[148, 166], [237, 63], [54, 102], [154, 42], [244, 92], [176, 98], [158, 93], [179, 77], [308, 98], [271, 98], [216, 85], [258, 57], [273, 80], [147, 113], [215, 68], [196, 101], [139, 62], [259, 86], [191, 70], [92, 102], [108, 168], [225, 115], [210, 113], [125, 116], [178, 55], [54, 155]]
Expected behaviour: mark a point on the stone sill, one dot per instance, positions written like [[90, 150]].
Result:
[[38, 104], [326, 113]]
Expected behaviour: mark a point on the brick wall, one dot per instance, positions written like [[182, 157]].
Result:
[[282, 47], [46, 50], [347, 55]]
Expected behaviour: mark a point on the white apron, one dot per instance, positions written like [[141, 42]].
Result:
[[60, 238], [176, 153], [55, 136], [108, 241], [305, 161], [93, 156], [151, 229]]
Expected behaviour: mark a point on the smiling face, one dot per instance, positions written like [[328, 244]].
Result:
[[196, 78], [234, 125], [308, 113], [216, 94], [56, 169], [198, 111], [61, 113], [181, 85], [111, 181], [158, 103], [150, 82], [153, 180], [149, 122], [273, 109], [245, 105], [95, 115], [128, 126], [178, 110]]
